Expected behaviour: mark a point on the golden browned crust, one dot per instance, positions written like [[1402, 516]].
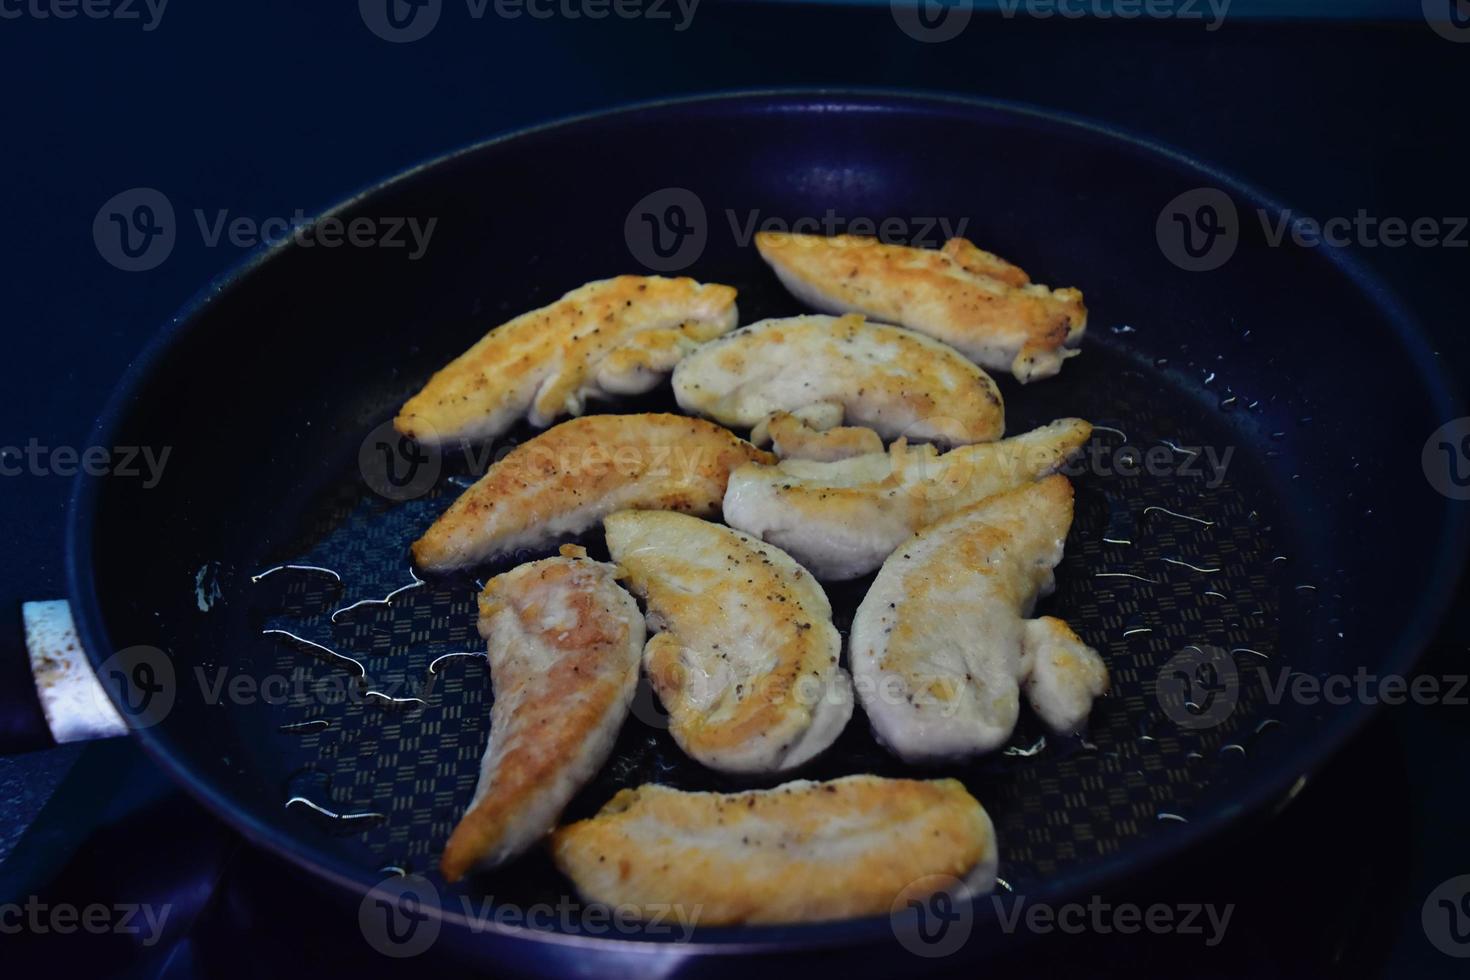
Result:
[[965, 547], [800, 852], [613, 336], [567, 478], [892, 380], [961, 294], [1068, 659], [979, 262], [559, 605], [741, 621], [920, 485], [793, 438]]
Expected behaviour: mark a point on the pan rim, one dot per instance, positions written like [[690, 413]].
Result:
[[1278, 784]]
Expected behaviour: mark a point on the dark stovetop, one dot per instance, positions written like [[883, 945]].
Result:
[[1333, 885], [266, 108]]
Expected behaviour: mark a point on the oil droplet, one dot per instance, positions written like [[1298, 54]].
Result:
[[1130, 575], [1136, 625], [1183, 517], [389, 701], [341, 818], [1194, 568], [1026, 753], [1120, 527], [306, 727], [434, 664], [309, 569], [386, 600], [316, 649], [1191, 453]]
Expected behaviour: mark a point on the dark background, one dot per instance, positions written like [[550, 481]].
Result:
[[266, 107]]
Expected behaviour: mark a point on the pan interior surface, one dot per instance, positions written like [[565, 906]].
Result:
[[1206, 565], [1239, 492]]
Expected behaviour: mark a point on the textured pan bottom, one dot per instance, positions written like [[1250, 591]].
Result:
[[1181, 550]]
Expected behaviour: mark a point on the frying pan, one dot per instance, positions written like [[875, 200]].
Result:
[[1315, 547]]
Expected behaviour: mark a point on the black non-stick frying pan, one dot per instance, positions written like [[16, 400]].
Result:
[[1253, 500]]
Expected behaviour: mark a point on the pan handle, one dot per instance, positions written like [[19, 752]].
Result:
[[52, 696]]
